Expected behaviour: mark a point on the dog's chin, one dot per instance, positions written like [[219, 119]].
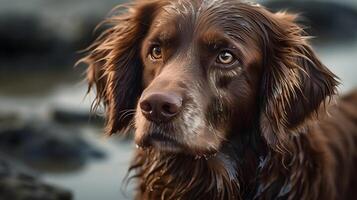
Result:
[[160, 142], [166, 144]]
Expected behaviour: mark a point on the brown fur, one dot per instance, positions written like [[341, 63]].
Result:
[[268, 127]]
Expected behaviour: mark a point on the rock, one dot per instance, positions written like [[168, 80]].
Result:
[[24, 188], [326, 20], [16, 184], [23, 39], [47, 147], [8, 118], [46, 35], [76, 117]]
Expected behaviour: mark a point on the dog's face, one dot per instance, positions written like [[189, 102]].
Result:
[[198, 72]]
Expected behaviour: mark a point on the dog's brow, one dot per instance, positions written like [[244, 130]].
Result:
[[164, 35], [215, 39]]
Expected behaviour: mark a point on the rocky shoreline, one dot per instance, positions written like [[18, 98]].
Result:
[[16, 183], [29, 148], [43, 35]]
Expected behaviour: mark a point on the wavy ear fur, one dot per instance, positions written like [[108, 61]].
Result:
[[295, 82], [114, 64]]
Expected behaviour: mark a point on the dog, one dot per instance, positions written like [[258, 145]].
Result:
[[227, 100]]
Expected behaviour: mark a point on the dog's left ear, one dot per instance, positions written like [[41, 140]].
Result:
[[114, 63], [295, 82]]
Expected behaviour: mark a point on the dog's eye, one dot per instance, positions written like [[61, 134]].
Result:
[[156, 53], [225, 57]]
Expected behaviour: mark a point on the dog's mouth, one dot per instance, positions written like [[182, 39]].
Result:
[[160, 141]]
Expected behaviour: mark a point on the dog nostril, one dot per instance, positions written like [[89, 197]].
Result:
[[170, 109], [160, 107], [145, 106]]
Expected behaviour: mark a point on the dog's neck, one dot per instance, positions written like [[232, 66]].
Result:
[[229, 174], [164, 176], [235, 172]]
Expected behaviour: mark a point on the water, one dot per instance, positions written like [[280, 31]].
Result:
[[96, 179], [100, 180], [341, 59]]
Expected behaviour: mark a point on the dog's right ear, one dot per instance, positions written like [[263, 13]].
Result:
[[296, 83], [114, 64]]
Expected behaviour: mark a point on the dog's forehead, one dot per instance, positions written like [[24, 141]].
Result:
[[194, 10], [201, 15]]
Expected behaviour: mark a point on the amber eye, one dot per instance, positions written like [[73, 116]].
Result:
[[225, 57], [156, 53]]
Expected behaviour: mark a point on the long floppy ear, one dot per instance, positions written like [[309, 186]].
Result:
[[295, 82], [114, 64]]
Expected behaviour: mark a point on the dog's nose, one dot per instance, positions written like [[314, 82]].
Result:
[[160, 107]]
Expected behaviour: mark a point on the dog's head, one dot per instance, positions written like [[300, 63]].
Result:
[[187, 75]]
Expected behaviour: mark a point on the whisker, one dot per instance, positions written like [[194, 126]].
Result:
[[126, 113]]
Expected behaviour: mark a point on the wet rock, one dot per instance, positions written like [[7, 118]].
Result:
[[326, 20], [8, 118], [23, 39], [21, 188], [47, 147], [46, 35], [76, 117], [17, 184]]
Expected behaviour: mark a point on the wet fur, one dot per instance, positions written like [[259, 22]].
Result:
[[295, 141]]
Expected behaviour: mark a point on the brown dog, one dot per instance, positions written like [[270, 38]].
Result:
[[229, 100]]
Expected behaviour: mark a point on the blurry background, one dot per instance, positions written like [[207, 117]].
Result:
[[50, 147]]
